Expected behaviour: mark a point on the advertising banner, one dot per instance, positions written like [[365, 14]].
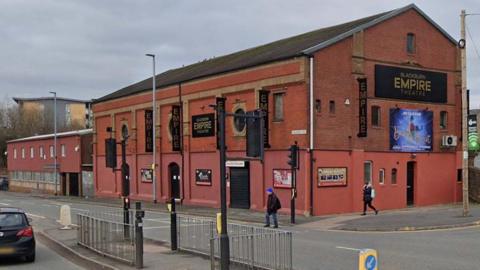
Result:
[[203, 125], [410, 84], [411, 130], [362, 125], [328, 177], [148, 131], [263, 103], [473, 144], [203, 177], [176, 138], [282, 178]]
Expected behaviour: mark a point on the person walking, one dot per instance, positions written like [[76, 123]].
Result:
[[273, 205], [368, 195]]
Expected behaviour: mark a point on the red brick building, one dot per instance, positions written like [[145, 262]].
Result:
[[372, 100], [31, 163]]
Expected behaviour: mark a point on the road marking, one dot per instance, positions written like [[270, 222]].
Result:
[[156, 227], [78, 209], [36, 216], [348, 248], [6, 204]]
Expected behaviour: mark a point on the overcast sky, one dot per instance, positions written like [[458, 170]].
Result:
[[89, 48]]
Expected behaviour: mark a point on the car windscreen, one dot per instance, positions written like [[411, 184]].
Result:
[[12, 220]]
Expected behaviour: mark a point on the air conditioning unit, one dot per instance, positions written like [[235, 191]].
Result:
[[449, 141]]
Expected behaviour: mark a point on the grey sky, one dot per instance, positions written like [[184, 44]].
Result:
[[88, 48]]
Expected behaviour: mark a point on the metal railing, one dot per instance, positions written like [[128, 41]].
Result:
[[252, 246], [105, 233]]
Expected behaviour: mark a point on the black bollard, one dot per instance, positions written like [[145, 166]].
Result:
[[139, 215], [173, 226]]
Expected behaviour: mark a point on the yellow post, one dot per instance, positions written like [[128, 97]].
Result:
[[219, 223], [367, 259], [169, 207]]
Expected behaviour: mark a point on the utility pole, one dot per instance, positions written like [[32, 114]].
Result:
[[463, 57], [55, 140], [154, 119]]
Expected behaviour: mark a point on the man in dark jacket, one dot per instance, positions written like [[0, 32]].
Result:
[[367, 199], [273, 205]]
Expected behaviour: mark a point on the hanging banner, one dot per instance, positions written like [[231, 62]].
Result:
[[362, 104], [175, 128], [148, 131], [473, 144], [220, 105], [203, 125], [411, 130], [263, 104], [410, 84]]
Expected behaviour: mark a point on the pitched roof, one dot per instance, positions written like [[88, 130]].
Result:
[[304, 44], [19, 99], [79, 132]]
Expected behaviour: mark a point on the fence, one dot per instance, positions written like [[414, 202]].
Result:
[[255, 247], [107, 234]]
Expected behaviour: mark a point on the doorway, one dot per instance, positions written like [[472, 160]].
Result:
[[174, 173], [73, 185], [411, 183], [240, 187]]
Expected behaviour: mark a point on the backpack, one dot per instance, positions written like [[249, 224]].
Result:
[[278, 205], [372, 193]]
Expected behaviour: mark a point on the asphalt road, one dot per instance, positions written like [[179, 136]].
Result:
[[316, 248]]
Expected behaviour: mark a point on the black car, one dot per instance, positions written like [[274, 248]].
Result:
[[3, 183], [16, 235]]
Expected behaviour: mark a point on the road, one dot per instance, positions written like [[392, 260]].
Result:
[[317, 248]]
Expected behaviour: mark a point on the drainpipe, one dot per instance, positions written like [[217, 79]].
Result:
[[311, 134]]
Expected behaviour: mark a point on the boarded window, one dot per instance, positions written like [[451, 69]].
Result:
[[411, 48], [381, 176], [331, 107], [394, 176], [443, 119], [367, 170], [278, 102], [375, 116]]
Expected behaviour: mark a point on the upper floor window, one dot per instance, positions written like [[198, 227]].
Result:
[[443, 119], [411, 46], [331, 107], [278, 101], [239, 123], [14, 153], [63, 150], [376, 116], [318, 105], [23, 152], [42, 153], [394, 176], [51, 151], [381, 176], [367, 170], [32, 152]]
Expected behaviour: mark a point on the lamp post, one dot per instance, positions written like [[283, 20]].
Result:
[[55, 139], [154, 108]]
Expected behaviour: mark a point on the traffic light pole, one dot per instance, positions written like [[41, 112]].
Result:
[[125, 190], [224, 241], [293, 162]]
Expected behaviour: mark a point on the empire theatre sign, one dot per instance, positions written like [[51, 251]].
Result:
[[410, 84]]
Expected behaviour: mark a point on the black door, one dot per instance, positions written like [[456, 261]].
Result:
[[73, 187], [410, 182], [240, 187], [174, 172]]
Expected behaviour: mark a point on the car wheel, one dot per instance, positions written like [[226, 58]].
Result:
[[30, 258]]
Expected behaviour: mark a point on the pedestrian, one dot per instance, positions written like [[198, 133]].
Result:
[[368, 194], [273, 205]]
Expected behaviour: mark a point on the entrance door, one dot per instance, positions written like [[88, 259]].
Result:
[[73, 187], [240, 187], [410, 182], [174, 172]]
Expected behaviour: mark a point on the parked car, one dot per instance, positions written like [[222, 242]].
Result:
[[16, 235], [3, 183]]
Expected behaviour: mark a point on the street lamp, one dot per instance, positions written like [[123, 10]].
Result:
[[55, 139], [154, 108]]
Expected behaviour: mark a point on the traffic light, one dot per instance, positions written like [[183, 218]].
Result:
[[293, 156], [111, 153], [125, 180], [254, 137]]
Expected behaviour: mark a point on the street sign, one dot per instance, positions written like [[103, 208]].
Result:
[[368, 259], [235, 163]]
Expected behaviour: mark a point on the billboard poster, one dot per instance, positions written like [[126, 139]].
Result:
[[146, 175], [410, 84], [330, 177], [203, 177], [411, 130], [282, 178]]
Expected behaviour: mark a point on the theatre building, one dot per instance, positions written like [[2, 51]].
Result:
[[372, 100]]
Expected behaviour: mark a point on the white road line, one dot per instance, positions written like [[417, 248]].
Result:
[[156, 227], [6, 204], [78, 209], [348, 248], [36, 216]]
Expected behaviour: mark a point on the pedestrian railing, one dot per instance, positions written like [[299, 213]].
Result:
[[106, 233], [251, 246]]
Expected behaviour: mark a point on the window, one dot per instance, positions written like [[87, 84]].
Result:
[[394, 176], [459, 175], [443, 119], [318, 105], [239, 122], [367, 170], [62, 149], [23, 152], [331, 107], [278, 106], [51, 151], [411, 43], [42, 153], [32, 152], [375, 116], [381, 176], [14, 153]]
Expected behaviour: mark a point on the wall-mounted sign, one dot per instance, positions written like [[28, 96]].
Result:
[[263, 104], [176, 138], [146, 175], [282, 178], [148, 131], [299, 132], [411, 84], [362, 105], [473, 144], [203, 125], [235, 163], [203, 177], [328, 177], [411, 130]]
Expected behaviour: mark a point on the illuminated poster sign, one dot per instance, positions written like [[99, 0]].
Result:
[[410, 84], [203, 125], [411, 130]]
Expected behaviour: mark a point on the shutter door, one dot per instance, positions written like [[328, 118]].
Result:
[[239, 188]]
